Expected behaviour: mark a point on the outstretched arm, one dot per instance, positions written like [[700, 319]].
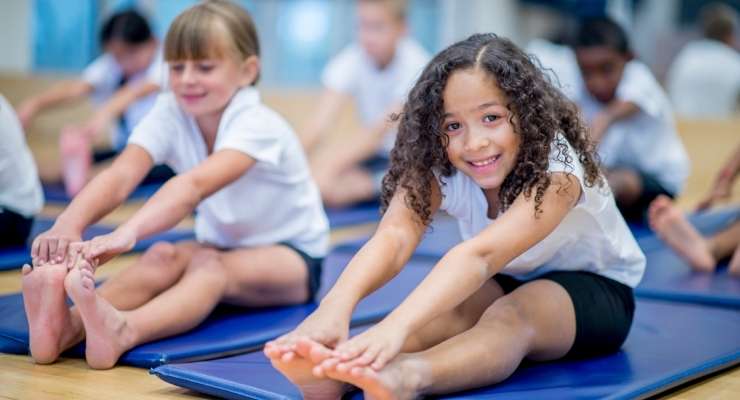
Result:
[[102, 195], [57, 94], [463, 270], [379, 260], [115, 107], [173, 202], [327, 110]]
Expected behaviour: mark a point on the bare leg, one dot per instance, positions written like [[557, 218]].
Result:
[[734, 267], [536, 321], [626, 186], [299, 369], [211, 276], [344, 188], [723, 244], [51, 328], [76, 161], [669, 222]]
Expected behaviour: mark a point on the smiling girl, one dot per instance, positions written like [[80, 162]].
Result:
[[260, 227], [546, 266]]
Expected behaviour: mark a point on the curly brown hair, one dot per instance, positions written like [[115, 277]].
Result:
[[539, 111]]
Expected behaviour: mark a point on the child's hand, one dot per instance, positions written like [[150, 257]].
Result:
[[323, 326], [102, 248], [52, 245], [374, 347]]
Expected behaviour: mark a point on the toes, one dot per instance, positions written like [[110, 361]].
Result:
[[26, 269]]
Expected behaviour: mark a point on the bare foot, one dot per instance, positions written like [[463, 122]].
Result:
[[76, 162], [734, 266], [400, 379], [669, 222], [50, 326], [108, 334], [298, 369]]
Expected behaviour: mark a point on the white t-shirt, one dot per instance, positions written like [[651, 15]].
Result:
[[354, 72], [275, 201], [104, 74], [559, 63], [592, 237], [20, 188], [646, 141], [704, 80]]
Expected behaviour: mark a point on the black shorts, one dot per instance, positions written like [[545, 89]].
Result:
[[603, 307], [651, 188], [14, 228], [315, 266]]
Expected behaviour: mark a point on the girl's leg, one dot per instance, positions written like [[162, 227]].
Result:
[[447, 325], [54, 327], [211, 276], [536, 321]]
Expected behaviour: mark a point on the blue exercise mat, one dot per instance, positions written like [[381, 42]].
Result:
[[15, 257], [55, 193], [230, 330], [357, 214], [669, 344]]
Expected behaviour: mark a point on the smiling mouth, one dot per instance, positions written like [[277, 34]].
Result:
[[485, 162]]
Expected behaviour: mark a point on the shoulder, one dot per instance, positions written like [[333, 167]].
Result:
[[246, 112], [413, 51]]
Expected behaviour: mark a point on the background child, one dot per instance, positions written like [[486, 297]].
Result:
[[226, 147], [21, 197], [123, 83], [547, 265], [630, 118], [376, 72], [702, 253], [704, 80]]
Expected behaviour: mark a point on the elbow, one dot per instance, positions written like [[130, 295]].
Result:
[[470, 256]]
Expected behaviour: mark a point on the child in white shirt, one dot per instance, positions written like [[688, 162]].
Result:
[[376, 73], [260, 227], [630, 118], [546, 266]]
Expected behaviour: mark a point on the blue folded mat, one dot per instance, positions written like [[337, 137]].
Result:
[[357, 214], [55, 193], [15, 257], [669, 344], [229, 330]]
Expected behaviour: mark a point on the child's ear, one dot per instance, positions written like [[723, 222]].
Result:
[[250, 69]]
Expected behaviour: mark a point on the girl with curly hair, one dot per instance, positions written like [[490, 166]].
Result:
[[547, 264]]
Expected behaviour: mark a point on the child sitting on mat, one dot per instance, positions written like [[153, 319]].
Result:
[[260, 227], [702, 253], [630, 118], [21, 197], [547, 264], [123, 83], [376, 72]]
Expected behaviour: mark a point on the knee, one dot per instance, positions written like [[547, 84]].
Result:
[[626, 186], [161, 253], [506, 313], [207, 263]]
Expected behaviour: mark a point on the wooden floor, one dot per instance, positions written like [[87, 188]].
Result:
[[708, 143]]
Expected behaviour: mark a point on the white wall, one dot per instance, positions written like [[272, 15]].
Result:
[[15, 35]]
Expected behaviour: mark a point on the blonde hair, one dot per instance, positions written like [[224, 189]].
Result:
[[214, 28], [399, 8]]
